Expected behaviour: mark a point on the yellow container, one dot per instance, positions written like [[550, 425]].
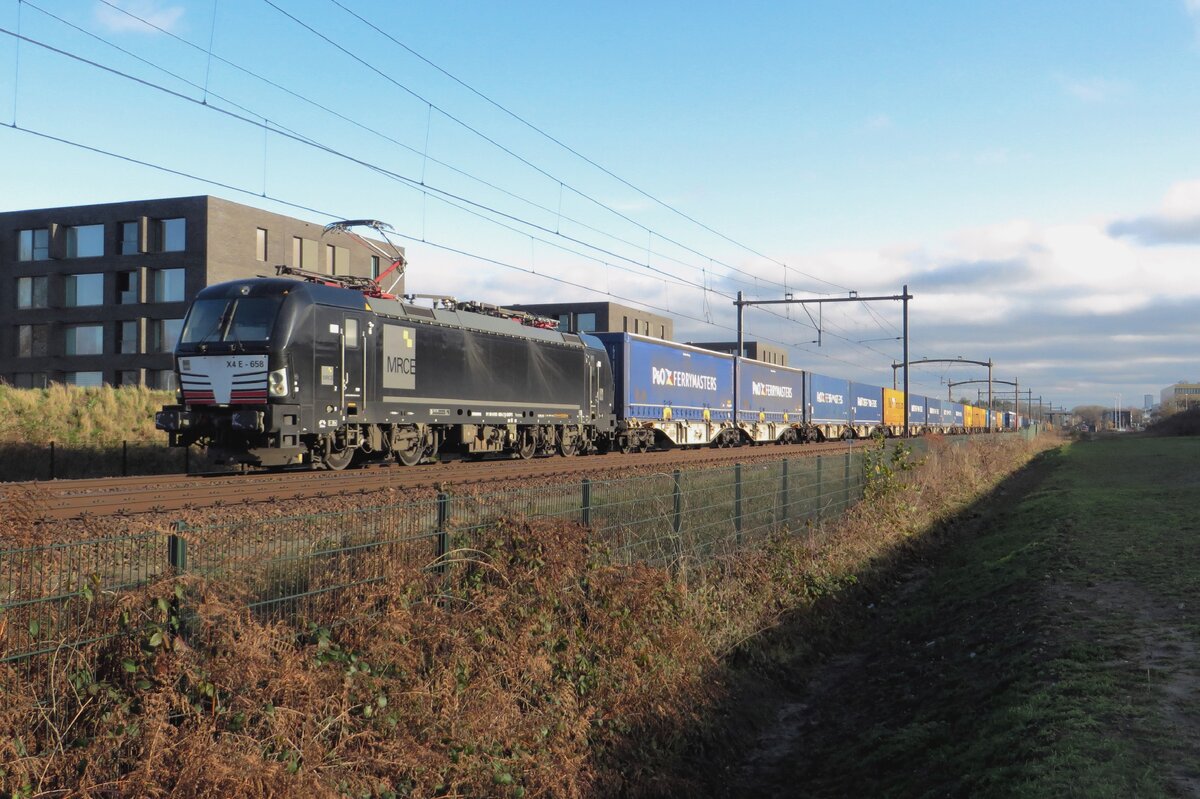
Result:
[[893, 407]]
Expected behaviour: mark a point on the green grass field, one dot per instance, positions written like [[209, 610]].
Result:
[[1043, 644]]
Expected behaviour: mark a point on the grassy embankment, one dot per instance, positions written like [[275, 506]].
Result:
[[534, 666], [87, 425], [1048, 647]]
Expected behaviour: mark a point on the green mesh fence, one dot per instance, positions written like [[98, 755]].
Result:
[[298, 568]]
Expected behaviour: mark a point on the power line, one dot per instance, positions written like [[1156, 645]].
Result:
[[575, 152], [478, 209], [447, 197], [320, 212], [466, 126], [367, 128]]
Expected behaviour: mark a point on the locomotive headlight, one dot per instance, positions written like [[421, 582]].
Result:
[[277, 383]]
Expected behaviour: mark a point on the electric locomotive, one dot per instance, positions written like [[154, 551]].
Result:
[[278, 371]]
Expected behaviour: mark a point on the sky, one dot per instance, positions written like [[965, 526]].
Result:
[[1030, 170]]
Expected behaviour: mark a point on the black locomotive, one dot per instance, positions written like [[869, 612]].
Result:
[[277, 371]]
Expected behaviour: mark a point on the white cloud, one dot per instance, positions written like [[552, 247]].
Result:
[[1092, 89], [154, 12], [878, 122]]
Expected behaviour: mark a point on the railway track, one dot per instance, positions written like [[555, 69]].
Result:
[[122, 496]]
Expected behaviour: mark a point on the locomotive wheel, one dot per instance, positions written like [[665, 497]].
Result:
[[410, 456], [527, 446], [568, 444], [336, 460]]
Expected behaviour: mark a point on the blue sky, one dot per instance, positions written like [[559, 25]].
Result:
[[1029, 169]]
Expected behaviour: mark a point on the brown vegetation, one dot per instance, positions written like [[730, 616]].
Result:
[[1184, 423], [533, 667]]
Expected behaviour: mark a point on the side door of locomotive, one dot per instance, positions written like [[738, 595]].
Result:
[[328, 404], [593, 381], [354, 330]]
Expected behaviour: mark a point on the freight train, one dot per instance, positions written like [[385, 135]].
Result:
[[325, 372]]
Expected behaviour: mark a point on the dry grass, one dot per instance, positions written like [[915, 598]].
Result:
[[67, 414], [533, 667], [1184, 423]]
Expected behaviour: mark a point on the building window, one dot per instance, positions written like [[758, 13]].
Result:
[[32, 341], [172, 234], [163, 379], [374, 266], [85, 241], [33, 245], [625, 324], [260, 244], [127, 287], [164, 334], [127, 337], [129, 243], [662, 331], [84, 290], [30, 380], [337, 260], [84, 379], [31, 292], [85, 339], [585, 323], [129, 377], [304, 253], [168, 285]]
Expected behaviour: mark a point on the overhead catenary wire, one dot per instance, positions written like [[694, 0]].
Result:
[[492, 141], [478, 209], [445, 196], [326, 213], [578, 154], [423, 153]]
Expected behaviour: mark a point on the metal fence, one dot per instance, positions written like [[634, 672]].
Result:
[[297, 567], [20, 462]]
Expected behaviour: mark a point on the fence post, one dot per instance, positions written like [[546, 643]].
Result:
[[820, 489], [177, 548], [51, 460], [737, 501], [677, 519], [187, 460], [783, 493], [846, 481], [443, 533], [586, 509], [124, 458]]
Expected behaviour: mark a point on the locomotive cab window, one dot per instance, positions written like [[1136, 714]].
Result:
[[352, 333], [234, 319]]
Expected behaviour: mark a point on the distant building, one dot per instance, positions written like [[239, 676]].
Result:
[[601, 317], [94, 294], [1147, 402], [1181, 395], [755, 350]]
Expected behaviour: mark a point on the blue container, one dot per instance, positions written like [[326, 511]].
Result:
[[866, 404], [933, 411], [916, 410], [828, 399], [1009, 421], [769, 393], [660, 380], [956, 414]]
